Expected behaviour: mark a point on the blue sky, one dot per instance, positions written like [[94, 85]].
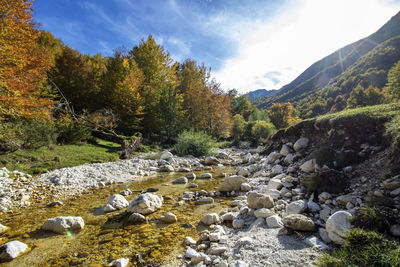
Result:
[[249, 44]]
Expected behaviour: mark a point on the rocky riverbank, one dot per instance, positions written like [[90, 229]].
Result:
[[273, 218]]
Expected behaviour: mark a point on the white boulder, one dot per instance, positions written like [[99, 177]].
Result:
[[11, 250], [169, 218], [122, 262], [296, 207], [62, 224], [274, 221], [116, 202], [211, 218], [338, 226], [145, 203], [257, 200], [308, 166]]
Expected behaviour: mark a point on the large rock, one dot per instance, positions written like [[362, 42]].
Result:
[[275, 184], [145, 203], [180, 180], [263, 213], [191, 175], [166, 168], [257, 200], [232, 183], [344, 199], [62, 224], [395, 193], [285, 150], [299, 222], [211, 218], [11, 250], [313, 207], [169, 218], [166, 155], [300, 144], [338, 226], [116, 202], [205, 176], [273, 156], [296, 207], [277, 169], [136, 218], [274, 221], [308, 166], [211, 161]]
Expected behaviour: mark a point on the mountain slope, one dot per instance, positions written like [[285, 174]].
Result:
[[327, 71], [260, 93]]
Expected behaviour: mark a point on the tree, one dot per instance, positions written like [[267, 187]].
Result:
[[239, 126], [159, 74], [22, 64], [120, 91], [393, 85], [242, 106], [281, 115], [261, 130], [360, 97]]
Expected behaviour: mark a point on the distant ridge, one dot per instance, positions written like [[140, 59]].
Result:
[[365, 62], [261, 93]]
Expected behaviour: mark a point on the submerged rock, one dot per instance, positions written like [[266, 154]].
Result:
[[145, 203], [180, 180], [62, 224], [205, 176], [11, 250], [122, 262], [169, 218], [136, 218], [3, 228]]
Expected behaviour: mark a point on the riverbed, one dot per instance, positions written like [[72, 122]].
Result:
[[108, 236]]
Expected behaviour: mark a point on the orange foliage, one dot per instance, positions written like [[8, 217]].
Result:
[[22, 63]]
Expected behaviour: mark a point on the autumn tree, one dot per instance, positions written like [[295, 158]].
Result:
[[120, 91], [281, 115], [22, 63]]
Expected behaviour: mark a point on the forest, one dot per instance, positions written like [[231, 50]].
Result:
[[51, 93]]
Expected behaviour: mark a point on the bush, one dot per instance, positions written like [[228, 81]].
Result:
[[364, 248], [261, 131], [73, 133], [374, 219], [28, 134], [193, 143]]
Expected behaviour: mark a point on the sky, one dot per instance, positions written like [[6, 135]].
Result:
[[249, 44]]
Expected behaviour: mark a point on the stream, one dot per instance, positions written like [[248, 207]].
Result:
[[107, 236]]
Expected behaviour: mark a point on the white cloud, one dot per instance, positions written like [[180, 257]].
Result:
[[303, 32]]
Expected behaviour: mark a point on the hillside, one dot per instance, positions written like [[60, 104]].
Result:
[[366, 61]]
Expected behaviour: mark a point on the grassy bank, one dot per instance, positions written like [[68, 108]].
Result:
[[44, 159]]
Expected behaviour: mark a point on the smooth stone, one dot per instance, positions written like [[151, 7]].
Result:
[[62, 224], [169, 218], [211, 218], [298, 222], [274, 221], [122, 262], [11, 250], [145, 203], [136, 218], [338, 226], [205, 176]]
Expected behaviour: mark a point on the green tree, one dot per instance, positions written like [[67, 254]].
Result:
[[360, 97], [261, 130], [259, 115], [159, 74], [239, 126], [242, 106], [393, 85]]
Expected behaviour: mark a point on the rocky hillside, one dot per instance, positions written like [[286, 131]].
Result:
[[366, 61]]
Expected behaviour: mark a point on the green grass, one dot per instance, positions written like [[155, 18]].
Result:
[[363, 249], [36, 161], [378, 111]]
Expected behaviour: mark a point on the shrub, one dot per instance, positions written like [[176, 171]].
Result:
[[324, 156], [38, 133], [193, 143], [72, 133], [364, 248], [374, 219], [261, 131]]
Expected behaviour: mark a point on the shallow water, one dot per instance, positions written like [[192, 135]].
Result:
[[107, 237]]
